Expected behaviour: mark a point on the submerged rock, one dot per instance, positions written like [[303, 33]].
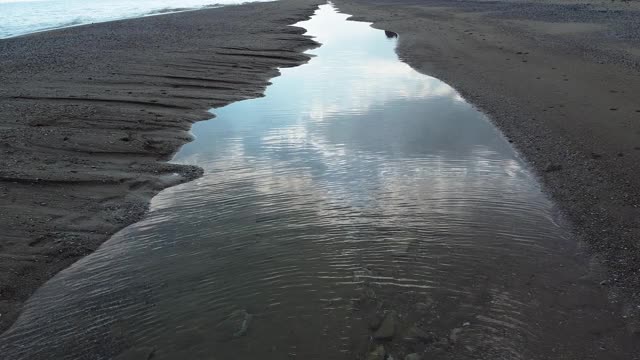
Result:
[[455, 335], [374, 322], [416, 334], [413, 356], [378, 354], [236, 324], [387, 329], [423, 307], [138, 353]]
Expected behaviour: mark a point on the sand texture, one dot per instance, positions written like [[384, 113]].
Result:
[[90, 115]]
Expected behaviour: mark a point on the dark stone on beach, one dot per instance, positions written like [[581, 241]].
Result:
[[390, 34], [552, 168], [387, 329]]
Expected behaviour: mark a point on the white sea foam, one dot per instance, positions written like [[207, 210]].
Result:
[[19, 17]]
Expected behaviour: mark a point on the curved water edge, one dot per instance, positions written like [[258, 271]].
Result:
[[358, 204]]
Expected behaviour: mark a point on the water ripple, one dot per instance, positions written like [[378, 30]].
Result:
[[356, 186]]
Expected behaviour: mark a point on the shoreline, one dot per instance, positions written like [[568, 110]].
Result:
[[560, 91], [91, 115], [158, 12]]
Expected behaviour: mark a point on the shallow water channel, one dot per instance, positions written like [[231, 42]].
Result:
[[355, 188]]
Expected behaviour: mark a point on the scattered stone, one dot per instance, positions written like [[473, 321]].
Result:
[[387, 329], [378, 354], [466, 323]]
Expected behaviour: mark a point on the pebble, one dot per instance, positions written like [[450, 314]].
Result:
[[455, 335], [387, 329], [138, 353], [413, 356], [424, 306], [552, 168], [375, 322], [236, 324], [378, 354], [416, 334]]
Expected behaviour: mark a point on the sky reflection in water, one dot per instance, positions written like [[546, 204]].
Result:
[[354, 175]]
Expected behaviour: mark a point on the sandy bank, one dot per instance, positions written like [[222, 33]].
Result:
[[561, 80], [90, 114]]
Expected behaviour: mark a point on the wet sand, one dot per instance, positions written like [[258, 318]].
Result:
[[561, 81], [90, 114]]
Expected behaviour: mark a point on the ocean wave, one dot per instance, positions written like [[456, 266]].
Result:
[[167, 10], [28, 22], [74, 22]]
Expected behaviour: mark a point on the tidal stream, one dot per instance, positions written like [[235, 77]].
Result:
[[357, 188]]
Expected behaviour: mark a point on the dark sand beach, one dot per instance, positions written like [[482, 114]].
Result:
[[91, 114]]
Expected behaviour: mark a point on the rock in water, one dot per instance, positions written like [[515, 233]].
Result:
[[455, 335], [378, 354], [387, 329], [236, 324], [425, 306], [416, 334], [138, 353]]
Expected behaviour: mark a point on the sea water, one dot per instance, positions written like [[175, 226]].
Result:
[[19, 17]]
